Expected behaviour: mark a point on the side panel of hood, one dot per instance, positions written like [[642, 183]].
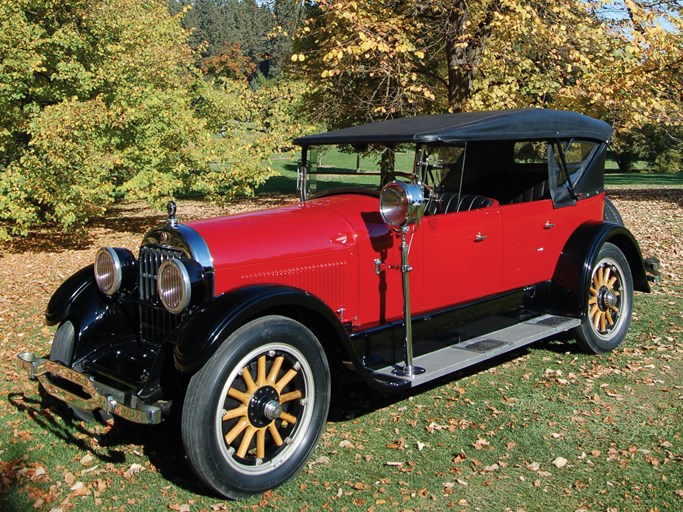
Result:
[[311, 247]]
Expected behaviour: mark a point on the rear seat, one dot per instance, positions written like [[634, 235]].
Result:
[[534, 193]]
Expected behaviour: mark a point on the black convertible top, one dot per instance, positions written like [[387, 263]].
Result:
[[526, 124]]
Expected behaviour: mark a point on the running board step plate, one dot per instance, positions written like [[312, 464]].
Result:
[[468, 353]]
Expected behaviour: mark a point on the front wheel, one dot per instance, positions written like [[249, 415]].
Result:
[[254, 413], [609, 303]]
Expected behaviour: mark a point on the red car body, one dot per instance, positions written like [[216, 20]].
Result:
[[327, 247]]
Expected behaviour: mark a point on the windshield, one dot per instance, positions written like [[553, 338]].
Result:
[[354, 168]]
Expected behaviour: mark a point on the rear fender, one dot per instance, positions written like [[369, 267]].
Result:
[[573, 272], [206, 328]]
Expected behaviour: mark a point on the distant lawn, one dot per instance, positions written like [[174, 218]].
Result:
[[285, 181], [647, 180]]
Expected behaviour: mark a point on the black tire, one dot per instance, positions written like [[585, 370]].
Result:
[[254, 413], [62, 349], [611, 214], [609, 303]]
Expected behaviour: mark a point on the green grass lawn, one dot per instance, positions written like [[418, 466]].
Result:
[[645, 180]]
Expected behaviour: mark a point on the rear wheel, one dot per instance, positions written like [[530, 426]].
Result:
[[609, 303], [254, 413]]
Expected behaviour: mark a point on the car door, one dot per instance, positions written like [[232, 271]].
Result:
[[462, 255], [534, 234]]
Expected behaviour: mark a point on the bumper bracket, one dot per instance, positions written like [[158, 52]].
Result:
[[101, 396]]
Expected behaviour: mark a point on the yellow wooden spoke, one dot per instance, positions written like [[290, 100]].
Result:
[[261, 443], [610, 283], [603, 323], [274, 370], [288, 397], [610, 321], [288, 417], [277, 439], [249, 381], [605, 277], [261, 375], [239, 395], [596, 318], [594, 310], [246, 441], [280, 385], [236, 430], [235, 413], [593, 300]]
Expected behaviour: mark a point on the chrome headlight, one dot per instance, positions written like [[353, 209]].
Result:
[[180, 283], [401, 204], [114, 269]]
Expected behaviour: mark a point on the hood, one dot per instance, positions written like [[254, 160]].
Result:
[[283, 233]]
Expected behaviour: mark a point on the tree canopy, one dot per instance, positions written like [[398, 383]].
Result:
[[102, 99]]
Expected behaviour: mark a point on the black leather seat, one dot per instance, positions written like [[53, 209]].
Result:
[[449, 203], [536, 192]]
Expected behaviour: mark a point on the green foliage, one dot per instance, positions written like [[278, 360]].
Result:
[[102, 99], [661, 148], [216, 23]]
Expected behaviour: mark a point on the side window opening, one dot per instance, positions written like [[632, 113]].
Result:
[[446, 171], [568, 160]]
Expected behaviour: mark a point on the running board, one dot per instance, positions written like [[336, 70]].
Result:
[[468, 353]]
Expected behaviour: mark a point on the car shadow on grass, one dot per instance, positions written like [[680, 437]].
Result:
[[118, 441], [353, 400]]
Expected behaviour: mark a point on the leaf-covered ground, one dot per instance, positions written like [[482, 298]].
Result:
[[546, 428]]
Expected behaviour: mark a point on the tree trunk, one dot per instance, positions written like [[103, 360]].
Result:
[[465, 45]]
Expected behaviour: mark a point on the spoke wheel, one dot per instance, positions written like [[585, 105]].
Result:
[[265, 402], [609, 303], [253, 414]]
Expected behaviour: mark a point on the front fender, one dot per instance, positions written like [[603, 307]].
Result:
[[204, 331], [573, 272], [98, 320], [79, 285]]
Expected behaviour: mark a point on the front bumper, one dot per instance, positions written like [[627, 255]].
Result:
[[101, 396]]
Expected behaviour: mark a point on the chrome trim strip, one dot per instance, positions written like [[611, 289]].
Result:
[[103, 397], [183, 238], [200, 251]]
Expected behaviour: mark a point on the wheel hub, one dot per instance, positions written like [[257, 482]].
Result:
[[609, 299], [264, 406], [272, 410]]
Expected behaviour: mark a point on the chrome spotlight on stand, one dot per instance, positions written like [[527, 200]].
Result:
[[402, 206]]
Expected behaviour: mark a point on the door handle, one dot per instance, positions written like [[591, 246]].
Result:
[[480, 238], [548, 225]]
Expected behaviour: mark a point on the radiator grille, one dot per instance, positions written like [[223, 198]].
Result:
[[155, 321]]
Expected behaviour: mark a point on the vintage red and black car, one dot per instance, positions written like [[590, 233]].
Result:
[[419, 247]]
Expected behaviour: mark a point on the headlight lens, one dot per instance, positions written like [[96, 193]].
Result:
[[401, 204], [173, 283], [180, 283], [113, 267]]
